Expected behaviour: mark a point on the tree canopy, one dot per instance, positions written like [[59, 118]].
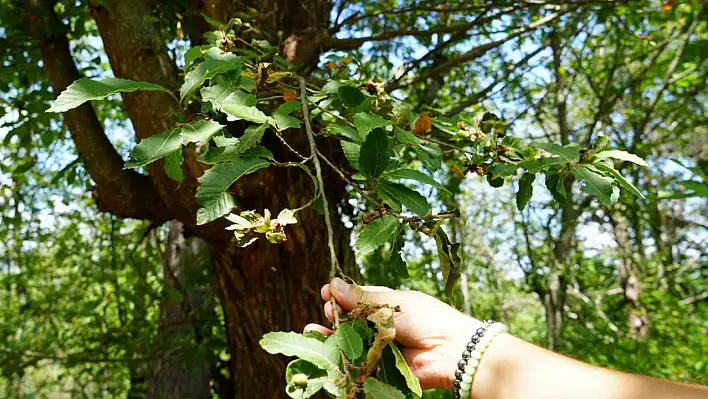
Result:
[[181, 178]]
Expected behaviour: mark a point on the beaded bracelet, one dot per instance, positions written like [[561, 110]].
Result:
[[467, 366]]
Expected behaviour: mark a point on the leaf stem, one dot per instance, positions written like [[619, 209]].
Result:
[[334, 264]]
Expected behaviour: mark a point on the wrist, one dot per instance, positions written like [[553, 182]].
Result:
[[483, 370]]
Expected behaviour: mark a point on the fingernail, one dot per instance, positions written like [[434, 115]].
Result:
[[341, 286]]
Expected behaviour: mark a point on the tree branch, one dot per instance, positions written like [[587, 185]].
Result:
[[124, 193], [474, 53], [474, 99]]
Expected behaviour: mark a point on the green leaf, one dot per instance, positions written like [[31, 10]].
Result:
[[217, 207], [374, 155], [366, 122], [84, 90], [504, 170], [699, 188], [288, 107], [301, 366], [622, 156], [173, 165], [216, 180], [362, 328], [411, 199], [215, 62], [624, 183], [154, 147], [351, 97], [219, 95], [595, 184], [351, 152], [396, 261], [376, 233], [318, 353], [450, 262], [283, 121], [349, 341], [525, 190], [556, 186], [343, 130], [570, 153], [410, 174], [407, 138], [538, 165], [380, 390], [251, 114], [411, 380], [193, 54], [200, 131], [251, 137], [216, 155]]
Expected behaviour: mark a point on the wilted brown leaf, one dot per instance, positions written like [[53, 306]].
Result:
[[423, 125]]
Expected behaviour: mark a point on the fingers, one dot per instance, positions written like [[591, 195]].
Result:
[[328, 310], [348, 295], [316, 327]]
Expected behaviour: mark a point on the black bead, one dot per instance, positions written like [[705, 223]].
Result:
[[458, 374], [474, 340], [461, 364], [480, 331], [470, 346], [466, 355], [456, 382]]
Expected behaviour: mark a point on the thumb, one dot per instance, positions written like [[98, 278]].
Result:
[[348, 295]]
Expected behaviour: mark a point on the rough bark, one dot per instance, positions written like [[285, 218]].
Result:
[[264, 287], [183, 369], [121, 192]]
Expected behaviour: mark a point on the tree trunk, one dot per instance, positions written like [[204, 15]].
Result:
[[182, 369], [638, 319]]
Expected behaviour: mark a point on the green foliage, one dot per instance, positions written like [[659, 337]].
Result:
[[84, 90]]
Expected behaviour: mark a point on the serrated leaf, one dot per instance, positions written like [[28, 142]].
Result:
[[216, 155], [570, 153], [343, 130], [217, 207], [318, 353], [411, 199], [366, 122], [349, 341], [376, 233], [219, 95], [624, 183], [410, 174], [504, 170], [556, 186], [525, 190], [251, 137], [288, 107], [301, 366], [351, 152], [538, 165], [154, 147], [200, 131], [595, 184], [173, 165], [374, 155], [350, 96], [362, 328], [251, 114], [216, 180], [450, 262], [411, 380], [283, 121], [622, 156], [84, 90], [215, 62], [380, 390]]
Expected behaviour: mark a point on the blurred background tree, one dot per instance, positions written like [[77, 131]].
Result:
[[95, 305]]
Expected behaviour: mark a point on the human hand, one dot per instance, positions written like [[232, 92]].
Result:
[[430, 334]]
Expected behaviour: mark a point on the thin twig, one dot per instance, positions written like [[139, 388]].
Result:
[[292, 150], [334, 264]]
